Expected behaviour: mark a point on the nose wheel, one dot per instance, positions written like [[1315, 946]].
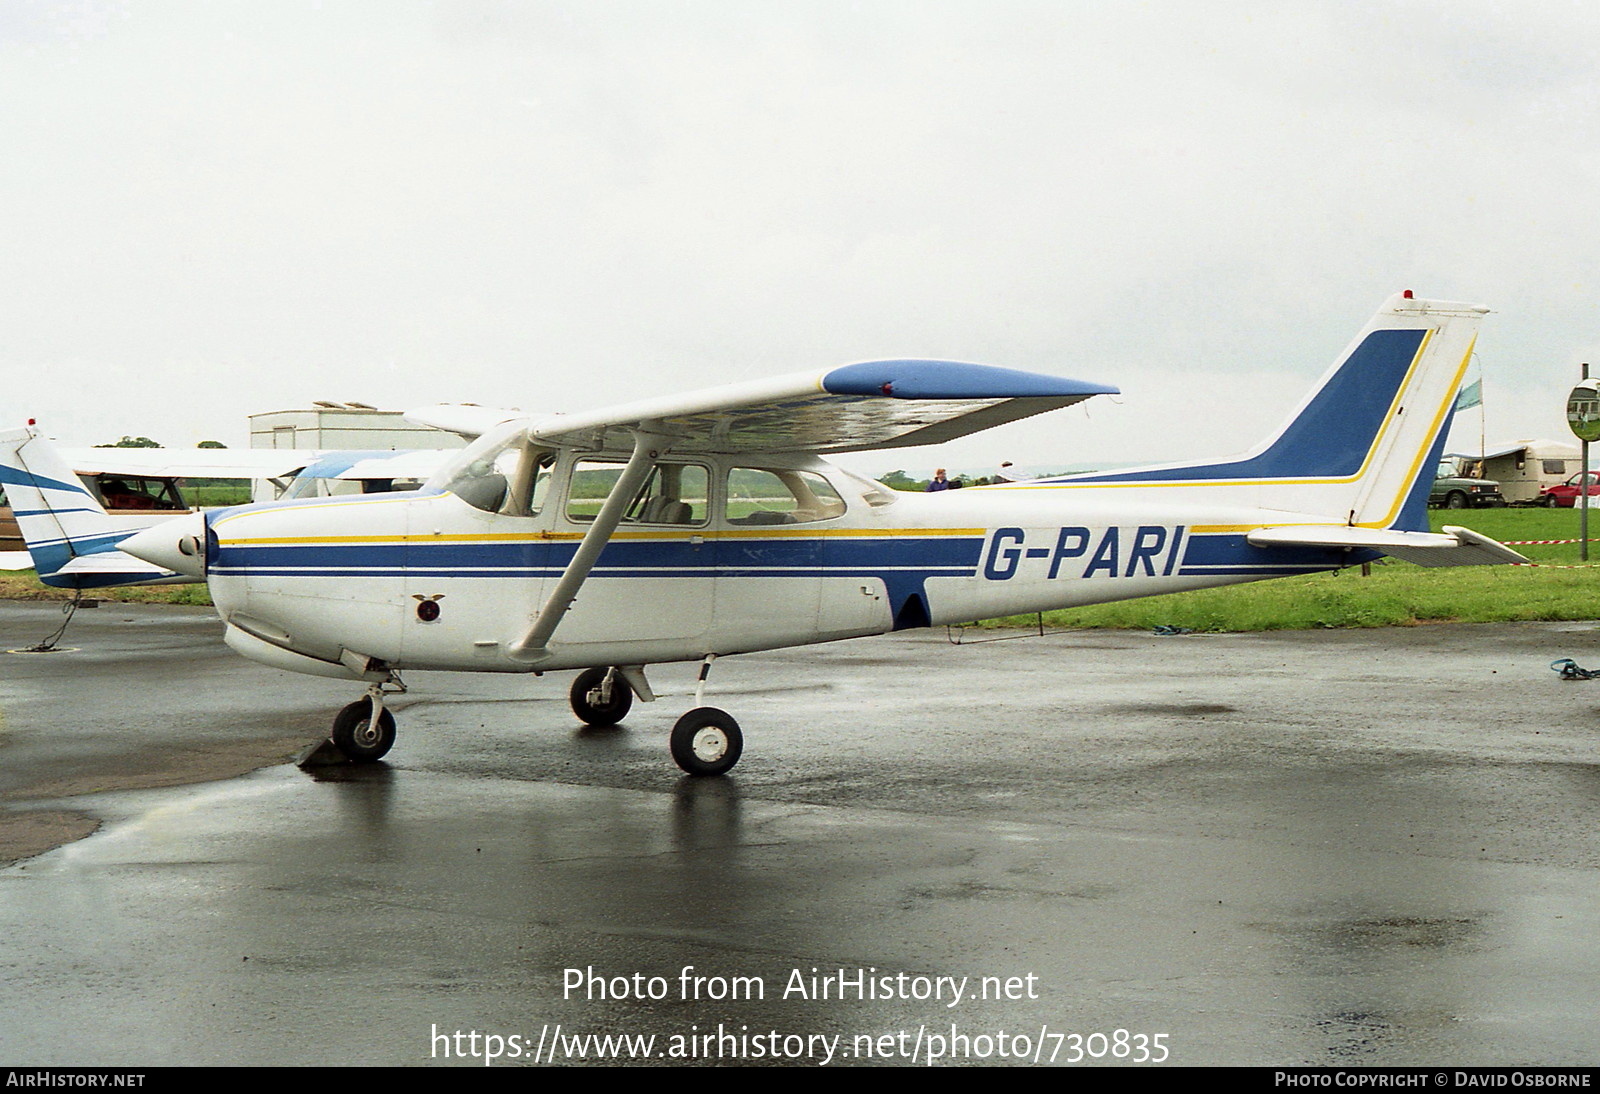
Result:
[[364, 730], [706, 741], [361, 737]]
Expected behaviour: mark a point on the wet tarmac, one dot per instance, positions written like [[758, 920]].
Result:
[[1337, 847]]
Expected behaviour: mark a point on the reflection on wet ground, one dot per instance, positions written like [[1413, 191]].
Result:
[[1268, 849]]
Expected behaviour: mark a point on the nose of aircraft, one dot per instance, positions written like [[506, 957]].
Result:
[[178, 545]]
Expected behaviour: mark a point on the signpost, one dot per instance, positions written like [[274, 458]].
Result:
[[1583, 417]]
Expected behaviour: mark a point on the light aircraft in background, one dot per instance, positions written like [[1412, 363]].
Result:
[[104, 495], [689, 528]]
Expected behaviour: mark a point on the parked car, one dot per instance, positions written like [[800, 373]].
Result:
[[1453, 491], [1565, 495]]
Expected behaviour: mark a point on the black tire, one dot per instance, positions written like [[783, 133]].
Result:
[[707, 741], [1455, 500], [353, 737], [1550, 501], [608, 714]]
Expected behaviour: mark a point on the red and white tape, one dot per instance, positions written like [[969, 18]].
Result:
[[1548, 566], [1540, 542]]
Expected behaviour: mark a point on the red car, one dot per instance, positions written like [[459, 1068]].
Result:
[[1566, 494]]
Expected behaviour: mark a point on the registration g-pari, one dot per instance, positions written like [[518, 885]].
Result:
[[689, 528]]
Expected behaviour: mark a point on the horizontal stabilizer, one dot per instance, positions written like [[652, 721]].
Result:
[[113, 562], [1451, 547], [105, 562], [213, 463]]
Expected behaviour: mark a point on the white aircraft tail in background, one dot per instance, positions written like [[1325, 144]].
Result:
[[72, 536], [72, 540]]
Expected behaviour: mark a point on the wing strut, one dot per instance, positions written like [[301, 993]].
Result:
[[533, 645]]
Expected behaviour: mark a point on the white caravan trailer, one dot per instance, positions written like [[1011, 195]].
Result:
[[1523, 468]]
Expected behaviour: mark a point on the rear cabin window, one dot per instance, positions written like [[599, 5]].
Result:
[[758, 496]]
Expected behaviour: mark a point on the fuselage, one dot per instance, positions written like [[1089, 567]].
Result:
[[720, 555]]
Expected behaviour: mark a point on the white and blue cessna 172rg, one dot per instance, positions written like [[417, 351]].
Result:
[[684, 529]]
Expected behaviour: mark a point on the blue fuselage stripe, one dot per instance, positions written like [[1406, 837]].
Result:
[[894, 560], [959, 553]]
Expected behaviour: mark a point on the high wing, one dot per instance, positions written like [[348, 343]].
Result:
[[417, 463], [195, 463], [466, 419], [866, 406]]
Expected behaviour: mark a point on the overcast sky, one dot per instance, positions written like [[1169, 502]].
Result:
[[215, 209]]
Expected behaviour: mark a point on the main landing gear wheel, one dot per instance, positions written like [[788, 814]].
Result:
[[355, 736], [707, 741], [593, 711]]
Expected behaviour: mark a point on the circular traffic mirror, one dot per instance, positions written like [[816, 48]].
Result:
[[1583, 410]]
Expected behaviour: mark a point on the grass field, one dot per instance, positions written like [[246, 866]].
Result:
[[209, 497], [1395, 594]]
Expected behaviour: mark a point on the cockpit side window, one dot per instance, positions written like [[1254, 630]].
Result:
[[759, 496]]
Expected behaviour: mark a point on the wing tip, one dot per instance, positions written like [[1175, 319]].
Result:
[[914, 378]]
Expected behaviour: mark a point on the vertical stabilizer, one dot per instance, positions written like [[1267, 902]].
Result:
[[1360, 449]]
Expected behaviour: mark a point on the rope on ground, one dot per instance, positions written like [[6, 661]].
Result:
[[955, 634], [70, 608], [1570, 670]]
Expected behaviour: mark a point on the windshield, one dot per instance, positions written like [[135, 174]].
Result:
[[501, 472]]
